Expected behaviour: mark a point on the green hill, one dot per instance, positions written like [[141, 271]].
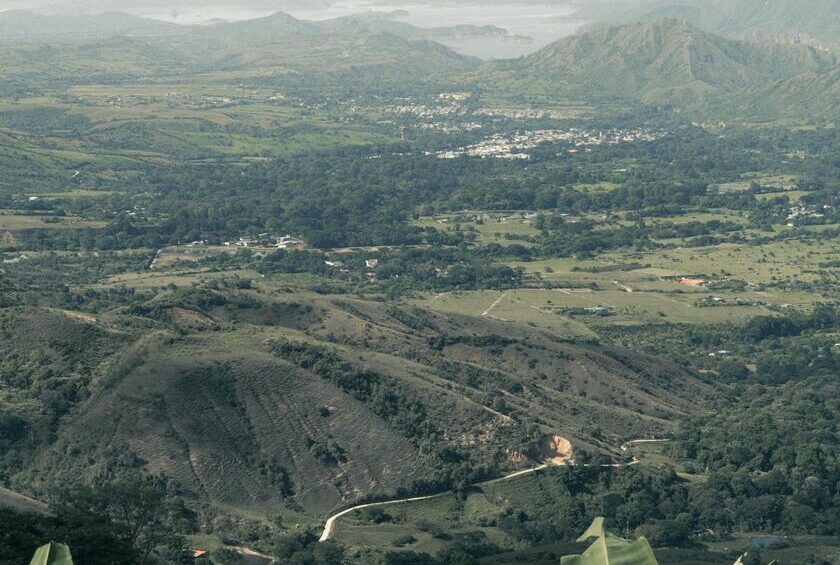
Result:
[[22, 25], [668, 62], [313, 400], [356, 44], [116, 47], [767, 19]]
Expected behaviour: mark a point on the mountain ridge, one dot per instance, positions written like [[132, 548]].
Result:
[[16, 25], [667, 62], [767, 19]]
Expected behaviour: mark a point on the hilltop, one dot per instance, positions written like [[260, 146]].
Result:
[[22, 25], [114, 46], [780, 20]]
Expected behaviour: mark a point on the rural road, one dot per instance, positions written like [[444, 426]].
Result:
[[496, 303], [329, 525], [626, 446]]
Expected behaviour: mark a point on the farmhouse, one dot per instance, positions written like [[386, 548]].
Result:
[[691, 282]]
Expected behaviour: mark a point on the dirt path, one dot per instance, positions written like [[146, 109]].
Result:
[[495, 303], [625, 288], [626, 446], [158, 253], [329, 525], [249, 552]]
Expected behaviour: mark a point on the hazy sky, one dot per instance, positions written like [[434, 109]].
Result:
[[89, 6]]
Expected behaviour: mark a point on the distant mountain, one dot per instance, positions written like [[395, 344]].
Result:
[[385, 22], [781, 19], [17, 25], [358, 45], [174, 7], [280, 25], [276, 26], [118, 47], [669, 62]]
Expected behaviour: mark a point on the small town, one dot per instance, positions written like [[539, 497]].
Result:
[[514, 146]]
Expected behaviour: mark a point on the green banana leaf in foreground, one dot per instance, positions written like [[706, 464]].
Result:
[[52, 554], [609, 549]]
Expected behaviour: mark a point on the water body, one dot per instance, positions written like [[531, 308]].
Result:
[[543, 23]]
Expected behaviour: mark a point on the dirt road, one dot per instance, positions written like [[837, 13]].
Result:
[[329, 525]]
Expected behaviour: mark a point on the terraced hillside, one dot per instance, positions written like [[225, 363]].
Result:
[[313, 400]]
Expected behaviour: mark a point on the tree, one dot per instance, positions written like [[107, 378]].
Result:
[[19, 533], [125, 521]]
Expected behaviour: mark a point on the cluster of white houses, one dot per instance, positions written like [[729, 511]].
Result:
[[513, 146], [267, 240]]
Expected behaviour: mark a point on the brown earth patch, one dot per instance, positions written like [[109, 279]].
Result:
[[556, 449]]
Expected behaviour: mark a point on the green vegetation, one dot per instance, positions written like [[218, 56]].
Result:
[[668, 62], [255, 274], [747, 18]]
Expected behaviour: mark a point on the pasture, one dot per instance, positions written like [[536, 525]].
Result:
[[571, 312], [12, 221]]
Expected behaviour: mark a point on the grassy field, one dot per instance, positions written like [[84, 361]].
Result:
[[12, 222], [549, 309], [758, 265], [781, 182], [745, 281], [497, 228]]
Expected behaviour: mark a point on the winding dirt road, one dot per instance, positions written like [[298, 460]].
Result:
[[329, 525]]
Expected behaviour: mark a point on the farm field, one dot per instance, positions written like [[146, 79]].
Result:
[[762, 264], [12, 222], [786, 183], [650, 302], [498, 228], [545, 308]]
